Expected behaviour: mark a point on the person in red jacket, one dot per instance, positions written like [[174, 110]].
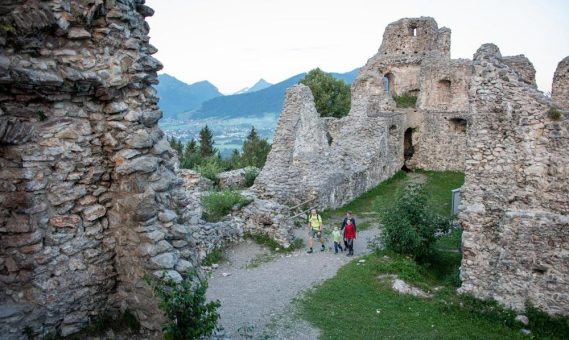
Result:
[[350, 236]]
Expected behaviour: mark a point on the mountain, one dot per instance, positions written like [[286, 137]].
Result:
[[256, 103], [261, 84], [177, 96]]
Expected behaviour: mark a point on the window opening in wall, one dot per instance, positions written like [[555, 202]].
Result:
[[458, 124], [388, 83], [413, 31]]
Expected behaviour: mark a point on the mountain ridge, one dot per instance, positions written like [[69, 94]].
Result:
[[177, 96], [254, 104]]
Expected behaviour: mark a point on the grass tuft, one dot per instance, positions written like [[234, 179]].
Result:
[[219, 204], [554, 113], [405, 101]]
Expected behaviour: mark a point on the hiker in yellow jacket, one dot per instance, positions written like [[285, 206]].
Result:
[[315, 229]]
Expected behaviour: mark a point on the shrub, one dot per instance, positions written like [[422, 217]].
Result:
[[190, 317], [211, 168], [554, 113], [216, 256], [405, 101], [410, 226], [220, 203], [250, 176]]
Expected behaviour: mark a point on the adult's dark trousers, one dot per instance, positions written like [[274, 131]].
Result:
[[350, 245]]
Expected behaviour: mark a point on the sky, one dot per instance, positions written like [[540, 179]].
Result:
[[234, 43]]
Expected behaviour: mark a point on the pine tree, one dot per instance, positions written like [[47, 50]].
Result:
[[206, 142], [255, 150], [191, 149]]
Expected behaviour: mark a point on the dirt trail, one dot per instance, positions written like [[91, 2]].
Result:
[[260, 298]]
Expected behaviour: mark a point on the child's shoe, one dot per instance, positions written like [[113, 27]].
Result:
[[310, 251], [323, 248]]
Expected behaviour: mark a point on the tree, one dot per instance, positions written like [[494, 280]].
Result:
[[331, 96], [206, 142], [191, 149], [255, 150], [176, 144]]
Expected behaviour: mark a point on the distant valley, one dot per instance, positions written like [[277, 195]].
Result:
[[187, 108]]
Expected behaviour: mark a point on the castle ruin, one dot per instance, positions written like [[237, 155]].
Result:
[[91, 198], [483, 116]]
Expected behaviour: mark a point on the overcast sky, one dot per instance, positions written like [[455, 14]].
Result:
[[234, 43]]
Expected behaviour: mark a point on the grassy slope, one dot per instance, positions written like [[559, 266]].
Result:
[[347, 305]]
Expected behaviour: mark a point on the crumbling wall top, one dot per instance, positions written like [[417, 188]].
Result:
[[560, 87], [415, 37]]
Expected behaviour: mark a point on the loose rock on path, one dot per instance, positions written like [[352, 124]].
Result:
[[260, 298]]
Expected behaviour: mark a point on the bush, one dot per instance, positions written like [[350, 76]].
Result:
[[220, 203], [184, 305], [250, 176], [554, 113], [216, 256], [405, 101], [410, 226], [211, 168]]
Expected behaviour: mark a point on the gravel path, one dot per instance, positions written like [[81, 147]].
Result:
[[261, 297]]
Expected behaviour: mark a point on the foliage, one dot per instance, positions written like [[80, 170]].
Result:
[[205, 159], [176, 144], [332, 97], [216, 256], [250, 176], [210, 168], [405, 101], [410, 225], [255, 150], [184, 304], [554, 113], [218, 204], [206, 142]]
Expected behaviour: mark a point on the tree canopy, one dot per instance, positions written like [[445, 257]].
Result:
[[331, 96]]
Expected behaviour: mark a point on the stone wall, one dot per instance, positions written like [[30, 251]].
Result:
[[89, 193], [514, 206], [523, 67], [333, 160], [560, 87]]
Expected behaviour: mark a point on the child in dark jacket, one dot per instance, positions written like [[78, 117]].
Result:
[[350, 236]]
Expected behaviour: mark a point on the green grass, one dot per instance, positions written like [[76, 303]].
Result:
[[220, 203], [405, 101], [216, 256], [369, 201], [439, 185], [274, 246], [347, 306], [554, 113]]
